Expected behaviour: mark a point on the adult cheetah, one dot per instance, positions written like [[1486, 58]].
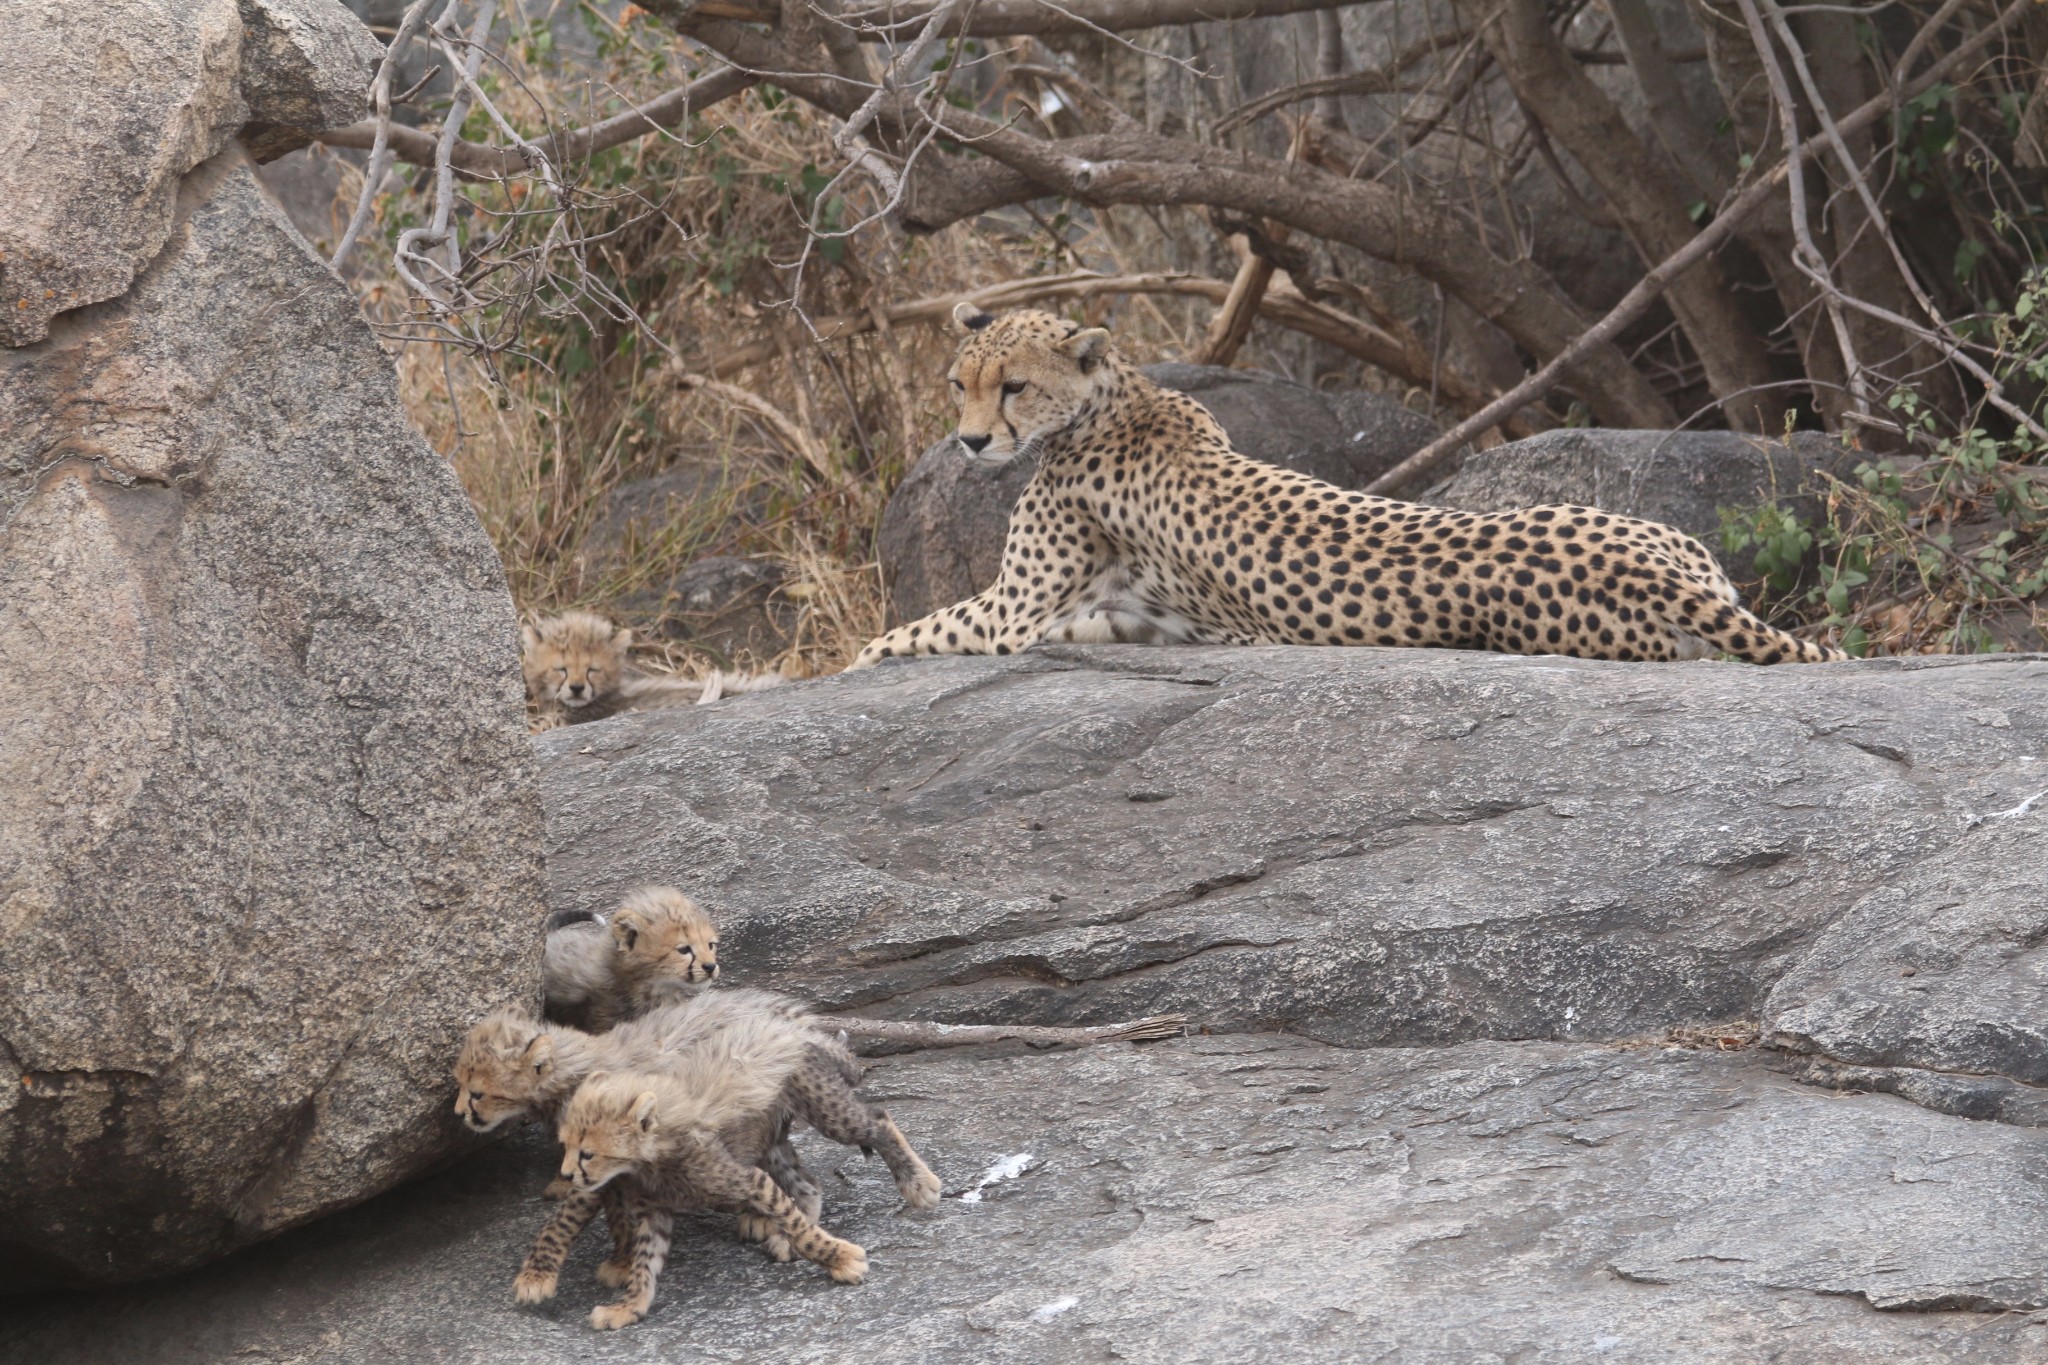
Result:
[[1143, 525]]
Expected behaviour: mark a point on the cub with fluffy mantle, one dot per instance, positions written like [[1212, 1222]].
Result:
[[691, 1135], [512, 1068], [658, 947]]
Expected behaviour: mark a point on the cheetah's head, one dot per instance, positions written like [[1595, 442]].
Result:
[[661, 934], [1021, 378], [611, 1125], [505, 1063], [573, 659]]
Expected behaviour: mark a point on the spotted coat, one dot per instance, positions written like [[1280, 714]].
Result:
[[1143, 524]]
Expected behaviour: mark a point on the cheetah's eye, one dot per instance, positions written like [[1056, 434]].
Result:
[[1013, 387], [686, 950], [957, 385]]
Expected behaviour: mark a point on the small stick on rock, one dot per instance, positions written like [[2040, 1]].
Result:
[[922, 1034]]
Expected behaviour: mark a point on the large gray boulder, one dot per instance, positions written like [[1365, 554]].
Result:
[[269, 828], [1679, 478], [941, 537], [103, 108], [1369, 847], [1448, 914]]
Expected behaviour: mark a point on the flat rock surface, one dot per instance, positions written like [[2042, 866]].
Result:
[[1365, 846], [1253, 1197]]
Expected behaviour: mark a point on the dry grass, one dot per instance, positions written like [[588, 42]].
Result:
[[793, 460]]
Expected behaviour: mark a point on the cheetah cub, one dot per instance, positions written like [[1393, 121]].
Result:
[[693, 1134], [577, 669], [574, 662], [512, 1068], [657, 948]]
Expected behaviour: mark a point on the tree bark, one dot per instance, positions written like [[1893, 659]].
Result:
[[1644, 196]]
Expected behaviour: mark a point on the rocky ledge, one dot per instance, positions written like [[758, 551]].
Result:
[[1562, 1011]]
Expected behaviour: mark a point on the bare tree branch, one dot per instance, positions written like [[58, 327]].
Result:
[[1646, 291]]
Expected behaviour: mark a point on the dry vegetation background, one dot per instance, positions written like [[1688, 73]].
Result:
[[676, 307]]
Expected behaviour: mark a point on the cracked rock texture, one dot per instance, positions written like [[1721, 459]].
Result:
[[1443, 910], [104, 107], [269, 820], [941, 537], [1363, 846], [1251, 1197]]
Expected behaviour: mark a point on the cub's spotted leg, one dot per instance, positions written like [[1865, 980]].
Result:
[[652, 1229], [786, 1169], [839, 1114], [724, 1181], [543, 1267], [618, 1217]]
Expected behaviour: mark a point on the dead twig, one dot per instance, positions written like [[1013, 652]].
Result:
[[921, 1034]]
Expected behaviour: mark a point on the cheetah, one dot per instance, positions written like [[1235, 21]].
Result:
[[512, 1068], [656, 948], [577, 669], [683, 1137], [1143, 525]]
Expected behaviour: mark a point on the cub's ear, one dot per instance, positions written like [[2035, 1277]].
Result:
[[627, 926], [540, 1054], [643, 1111], [529, 637], [1086, 348], [622, 638], [969, 318]]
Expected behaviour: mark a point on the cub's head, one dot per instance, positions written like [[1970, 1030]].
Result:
[[1021, 378], [610, 1125], [504, 1065], [573, 659], [659, 932]]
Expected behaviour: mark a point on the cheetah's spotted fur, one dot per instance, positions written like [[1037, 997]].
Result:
[[1142, 524]]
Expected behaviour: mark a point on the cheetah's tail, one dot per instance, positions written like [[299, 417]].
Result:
[[1732, 629]]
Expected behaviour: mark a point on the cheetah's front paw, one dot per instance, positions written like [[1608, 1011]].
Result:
[[849, 1265], [534, 1286], [755, 1228], [610, 1317], [557, 1188], [614, 1274], [921, 1191]]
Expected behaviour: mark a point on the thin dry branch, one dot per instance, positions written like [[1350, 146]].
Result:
[[921, 1034], [481, 161], [1281, 304], [1647, 290]]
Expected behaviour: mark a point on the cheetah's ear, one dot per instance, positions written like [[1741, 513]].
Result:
[[643, 1111], [622, 638], [540, 1054], [970, 318], [1085, 348], [529, 637], [626, 928]]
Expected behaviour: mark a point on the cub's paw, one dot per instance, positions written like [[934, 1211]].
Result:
[[849, 1264], [777, 1247], [614, 1274], [534, 1286], [610, 1317], [921, 1191], [755, 1228], [558, 1188]]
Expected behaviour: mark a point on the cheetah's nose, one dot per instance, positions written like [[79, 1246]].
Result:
[[575, 689], [974, 443]]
